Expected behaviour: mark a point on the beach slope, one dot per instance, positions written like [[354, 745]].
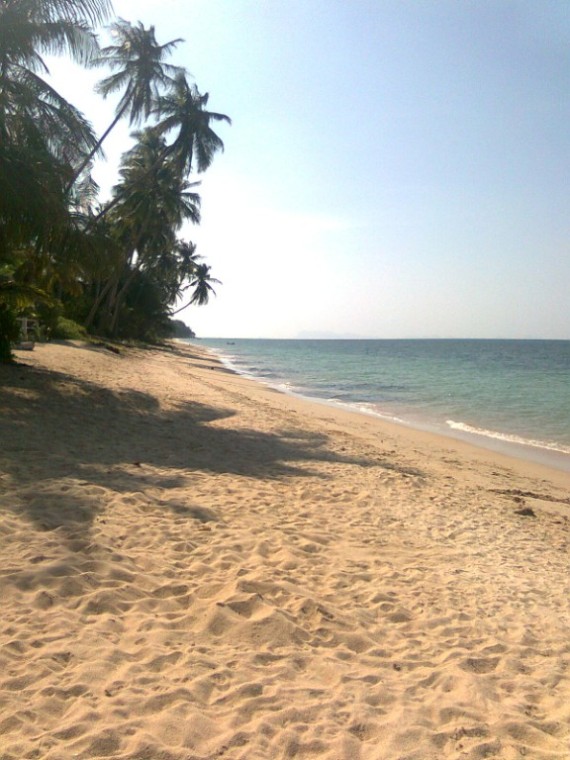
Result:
[[194, 566]]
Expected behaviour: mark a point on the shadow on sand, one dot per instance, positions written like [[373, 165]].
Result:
[[119, 439]]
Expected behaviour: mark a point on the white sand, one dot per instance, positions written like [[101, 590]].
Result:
[[194, 567]]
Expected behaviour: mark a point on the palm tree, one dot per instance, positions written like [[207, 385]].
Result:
[[183, 108], [41, 135], [30, 27], [40, 132], [52, 240], [187, 258], [174, 268], [153, 203], [202, 283], [163, 281], [138, 62]]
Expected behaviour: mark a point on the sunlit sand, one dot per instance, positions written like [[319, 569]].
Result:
[[195, 566]]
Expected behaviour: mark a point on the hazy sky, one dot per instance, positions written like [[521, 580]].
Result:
[[395, 168]]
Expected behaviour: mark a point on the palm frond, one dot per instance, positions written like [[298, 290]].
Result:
[[138, 62], [182, 108], [20, 296], [31, 27]]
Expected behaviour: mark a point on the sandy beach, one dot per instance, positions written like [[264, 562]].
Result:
[[195, 566]]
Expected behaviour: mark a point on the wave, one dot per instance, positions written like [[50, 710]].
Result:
[[397, 403], [365, 407], [508, 438], [252, 372]]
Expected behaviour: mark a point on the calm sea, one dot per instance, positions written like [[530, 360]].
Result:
[[508, 395]]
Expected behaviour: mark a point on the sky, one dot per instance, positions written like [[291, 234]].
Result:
[[394, 168]]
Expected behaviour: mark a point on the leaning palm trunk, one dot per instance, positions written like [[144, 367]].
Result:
[[108, 292], [137, 59], [98, 302], [117, 295], [118, 300], [95, 150], [109, 316]]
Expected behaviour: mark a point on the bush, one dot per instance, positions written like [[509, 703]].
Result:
[[48, 315], [67, 329]]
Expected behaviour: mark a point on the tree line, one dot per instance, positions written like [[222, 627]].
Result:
[[116, 268]]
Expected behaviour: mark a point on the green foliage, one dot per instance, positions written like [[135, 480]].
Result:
[[181, 330], [67, 329], [119, 269], [16, 298]]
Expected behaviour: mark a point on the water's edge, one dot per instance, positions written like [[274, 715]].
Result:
[[538, 452]]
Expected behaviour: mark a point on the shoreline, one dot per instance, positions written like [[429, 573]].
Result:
[[526, 452], [198, 566]]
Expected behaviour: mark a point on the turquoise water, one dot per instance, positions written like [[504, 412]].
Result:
[[510, 395]]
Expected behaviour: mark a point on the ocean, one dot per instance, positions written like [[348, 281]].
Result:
[[507, 395]]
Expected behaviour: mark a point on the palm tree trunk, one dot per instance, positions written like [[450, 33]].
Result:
[[119, 296], [97, 147], [111, 316], [97, 303], [186, 305]]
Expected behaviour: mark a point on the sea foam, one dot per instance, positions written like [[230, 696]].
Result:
[[507, 437]]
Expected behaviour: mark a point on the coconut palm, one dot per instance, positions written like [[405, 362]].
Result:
[[202, 283], [154, 202], [40, 132], [163, 281], [174, 269], [52, 237], [140, 72], [32, 27], [187, 257], [153, 196], [183, 108], [41, 135]]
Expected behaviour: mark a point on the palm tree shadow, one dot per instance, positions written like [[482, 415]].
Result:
[[59, 430]]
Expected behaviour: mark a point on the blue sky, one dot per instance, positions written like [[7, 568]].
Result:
[[397, 168]]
